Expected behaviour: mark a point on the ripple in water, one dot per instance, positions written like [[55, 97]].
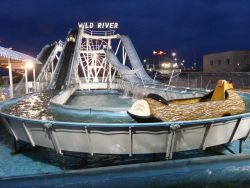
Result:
[[34, 107]]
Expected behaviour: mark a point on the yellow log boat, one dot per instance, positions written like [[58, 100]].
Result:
[[222, 101]]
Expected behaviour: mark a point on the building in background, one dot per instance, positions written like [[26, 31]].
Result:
[[230, 61]]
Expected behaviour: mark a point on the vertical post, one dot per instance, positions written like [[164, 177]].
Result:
[[11, 79], [109, 47], [34, 77], [52, 67], [26, 79], [88, 64], [201, 81], [154, 77], [240, 145]]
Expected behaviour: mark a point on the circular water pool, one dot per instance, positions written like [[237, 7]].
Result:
[[94, 135], [94, 106]]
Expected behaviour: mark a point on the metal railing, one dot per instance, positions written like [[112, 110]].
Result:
[[99, 33], [201, 80]]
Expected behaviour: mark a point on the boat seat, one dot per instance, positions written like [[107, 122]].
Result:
[[220, 90], [158, 98]]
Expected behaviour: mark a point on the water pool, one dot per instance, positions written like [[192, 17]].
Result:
[[99, 107], [93, 107], [43, 160], [101, 101]]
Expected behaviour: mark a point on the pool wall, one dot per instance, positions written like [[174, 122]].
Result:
[[127, 138], [62, 97], [87, 113]]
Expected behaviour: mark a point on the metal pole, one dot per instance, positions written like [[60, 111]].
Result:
[[11, 79], [201, 81], [110, 76], [52, 67], [34, 77], [26, 79], [154, 77], [240, 145]]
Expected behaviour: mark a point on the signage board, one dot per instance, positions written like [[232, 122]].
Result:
[[100, 25]]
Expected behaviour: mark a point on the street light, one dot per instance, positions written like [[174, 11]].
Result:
[[29, 64], [173, 54]]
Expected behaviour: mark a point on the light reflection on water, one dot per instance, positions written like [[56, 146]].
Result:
[[37, 107], [33, 107], [100, 101]]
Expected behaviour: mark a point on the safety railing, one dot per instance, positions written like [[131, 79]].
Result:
[[99, 33], [206, 81]]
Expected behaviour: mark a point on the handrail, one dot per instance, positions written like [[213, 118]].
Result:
[[99, 33]]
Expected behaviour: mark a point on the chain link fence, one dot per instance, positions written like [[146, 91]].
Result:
[[194, 80], [201, 80]]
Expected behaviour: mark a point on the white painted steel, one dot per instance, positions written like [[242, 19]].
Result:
[[129, 138], [10, 78], [14, 55], [49, 64]]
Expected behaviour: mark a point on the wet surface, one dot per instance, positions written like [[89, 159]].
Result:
[[100, 101], [34, 107], [98, 108], [37, 107]]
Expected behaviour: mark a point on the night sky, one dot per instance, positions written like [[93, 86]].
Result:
[[189, 27]]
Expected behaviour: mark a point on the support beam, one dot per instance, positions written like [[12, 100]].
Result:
[[130, 142], [168, 145], [52, 67], [10, 78], [208, 128], [34, 77], [89, 141], [28, 134], [26, 79], [234, 131], [241, 145]]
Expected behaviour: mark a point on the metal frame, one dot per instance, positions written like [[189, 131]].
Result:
[[49, 66], [132, 138], [90, 57]]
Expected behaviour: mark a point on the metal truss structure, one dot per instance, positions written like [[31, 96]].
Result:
[[89, 63], [88, 66], [50, 64]]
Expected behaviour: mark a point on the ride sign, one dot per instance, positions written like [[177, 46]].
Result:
[[100, 25]]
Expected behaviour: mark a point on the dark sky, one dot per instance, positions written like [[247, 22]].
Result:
[[189, 27]]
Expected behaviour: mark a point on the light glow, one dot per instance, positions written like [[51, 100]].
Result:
[[166, 65], [175, 65], [29, 65]]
